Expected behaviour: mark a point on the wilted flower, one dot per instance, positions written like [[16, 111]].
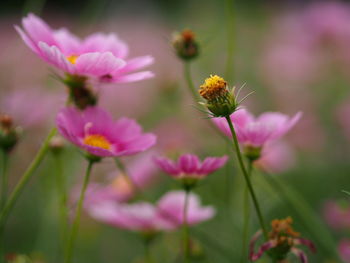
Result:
[[100, 56], [186, 45], [95, 131], [220, 99], [282, 239], [189, 169], [253, 133], [337, 214], [344, 250], [171, 207]]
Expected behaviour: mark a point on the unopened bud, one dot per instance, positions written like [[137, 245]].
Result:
[[5, 122], [252, 153], [8, 134], [220, 98], [186, 45], [56, 144]]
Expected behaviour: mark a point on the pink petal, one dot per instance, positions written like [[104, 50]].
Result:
[[211, 164], [167, 165], [131, 77], [38, 30], [189, 163]]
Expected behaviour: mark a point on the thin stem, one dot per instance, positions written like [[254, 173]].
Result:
[[76, 222], [148, 254], [246, 177], [4, 178], [62, 196], [186, 234], [25, 178], [230, 39], [246, 216], [188, 77]]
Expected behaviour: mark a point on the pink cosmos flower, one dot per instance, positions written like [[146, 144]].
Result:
[[189, 165], [140, 216], [344, 250], [101, 56], [95, 131], [171, 207], [336, 215], [140, 174], [256, 132]]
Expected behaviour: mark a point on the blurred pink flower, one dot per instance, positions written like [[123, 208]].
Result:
[[276, 157], [337, 215], [95, 131], [140, 216], [101, 56], [256, 132], [344, 250], [171, 207], [189, 165], [140, 174], [30, 107]]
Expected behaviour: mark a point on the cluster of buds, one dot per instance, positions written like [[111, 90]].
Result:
[[282, 241], [220, 99], [8, 133], [81, 93], [185, 45]]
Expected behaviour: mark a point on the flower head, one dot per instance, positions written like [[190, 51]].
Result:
[[282, 240], [253, 133], [100, 56], [337, 214], [189, 168], [344, 250], [221, 101], [95, 131], [171, 207], [186, 45]]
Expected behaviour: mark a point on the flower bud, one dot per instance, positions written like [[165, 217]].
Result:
[[221, 101], [8, 134], [80, 92], [185, 45], [252, 153], [56, 144]]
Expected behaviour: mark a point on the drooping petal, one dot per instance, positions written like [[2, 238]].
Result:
[[300, 254]]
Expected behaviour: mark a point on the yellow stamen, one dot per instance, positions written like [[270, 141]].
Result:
[[283, 226], [213, 87], [97, 140], [72, 59]]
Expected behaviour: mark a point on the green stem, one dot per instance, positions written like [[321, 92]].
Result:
[[62, 196], [246, 177], [246, 216], [188, 77], [186, 234], [148, 254], [230, 39], [4, 178], [76, 222], [25, 178]]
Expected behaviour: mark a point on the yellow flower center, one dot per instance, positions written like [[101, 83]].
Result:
[[97, 140], [213, 87], [72, 59]]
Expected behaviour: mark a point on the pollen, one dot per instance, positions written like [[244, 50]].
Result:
[[97, 140], [283, 227], [213, 87], [72, 59]]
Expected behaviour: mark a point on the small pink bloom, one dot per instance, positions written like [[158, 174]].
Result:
[[95, 131], [171, 207], [256, 132], [276, 157], [337, 215], [189, 165], [141, 216], [344, 250], [101, 56]]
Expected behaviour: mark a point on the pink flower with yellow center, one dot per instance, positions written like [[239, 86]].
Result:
[[96, 132], [190, 166], [101, 56]]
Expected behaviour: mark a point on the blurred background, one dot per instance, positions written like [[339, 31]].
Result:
[[294, 55]]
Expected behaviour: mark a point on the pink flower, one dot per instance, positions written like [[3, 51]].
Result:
[[337, 215], [256, 132], [140, 216], [276, 157], [171, 207], [95, 131], [139, 175], [101, 56], [344, 250], [189, 165]]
